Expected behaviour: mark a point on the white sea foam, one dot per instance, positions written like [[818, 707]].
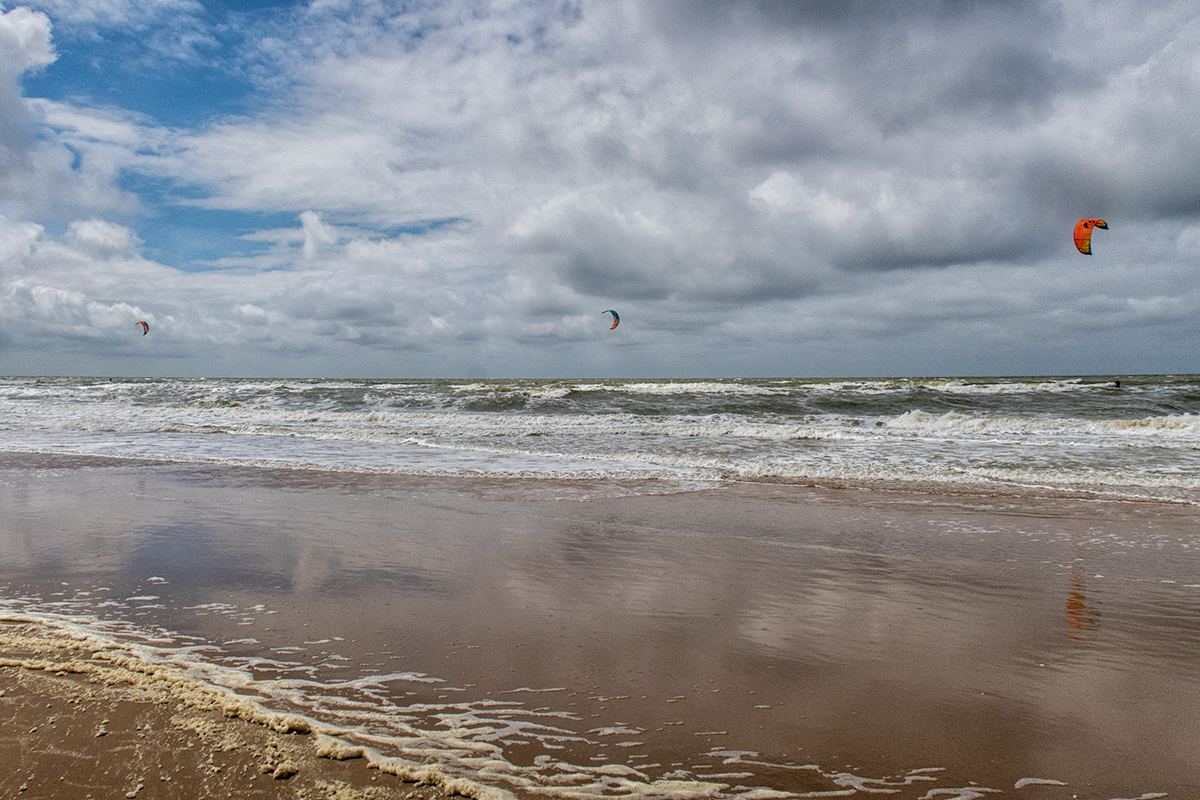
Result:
[[459, 746], [1023, 782], [1083, 435]]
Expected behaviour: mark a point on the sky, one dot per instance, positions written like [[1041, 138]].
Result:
[[462, 188]]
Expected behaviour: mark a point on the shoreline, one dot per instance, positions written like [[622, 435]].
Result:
[[588, 488], [86, 718], [70, 708]]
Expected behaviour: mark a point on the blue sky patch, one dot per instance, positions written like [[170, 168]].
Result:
[[189, 238], [117, 71]]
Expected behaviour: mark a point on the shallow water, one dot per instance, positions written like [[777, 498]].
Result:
[[749, 640]]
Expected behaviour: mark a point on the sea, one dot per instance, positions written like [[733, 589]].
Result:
[[1115, 436], [736, 589]]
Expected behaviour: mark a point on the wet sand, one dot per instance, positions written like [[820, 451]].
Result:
[[563, 641], [74, 726]]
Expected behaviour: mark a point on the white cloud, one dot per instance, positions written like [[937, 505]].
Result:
[[64, 311], [24, 41], [38, 175], [17, 241], [317, 235], [24, 44], [474, 182], [103, 239]]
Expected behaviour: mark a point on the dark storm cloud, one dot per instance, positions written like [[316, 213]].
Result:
[[824, 15], [856, 105]]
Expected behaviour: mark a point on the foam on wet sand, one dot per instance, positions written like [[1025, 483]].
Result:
[[80, 718]]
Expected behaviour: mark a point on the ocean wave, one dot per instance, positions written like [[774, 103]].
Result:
[[1185, 426], [1061, 431]]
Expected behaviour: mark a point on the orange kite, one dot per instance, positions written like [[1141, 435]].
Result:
[[1083, 234]]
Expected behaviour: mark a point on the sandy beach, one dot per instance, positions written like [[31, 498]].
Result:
[[575, 640], [76, 726]]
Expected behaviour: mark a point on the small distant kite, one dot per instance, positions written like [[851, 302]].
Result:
[[1083, 234], [145, 326], [616, 318]]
